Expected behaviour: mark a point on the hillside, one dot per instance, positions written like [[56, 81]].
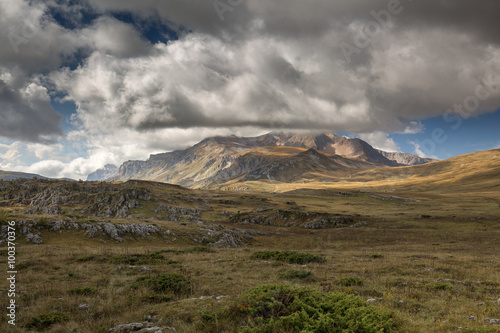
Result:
[[11, 175], [475, 172]]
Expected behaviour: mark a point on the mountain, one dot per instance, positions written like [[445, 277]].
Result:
[[273, 156], [11, 175], [109, 171], [404, 158]]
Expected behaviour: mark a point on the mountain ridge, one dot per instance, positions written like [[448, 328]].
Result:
[[221, 159], [12, 175]]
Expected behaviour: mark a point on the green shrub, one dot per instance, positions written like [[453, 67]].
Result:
[[281, 308], [86, 258], [82, 291], [45, 320], [199, 249], [208, 240], [291, 257], [43, 222], [292, 275], [138, 259], [169, 282], [351, 281], [440, 286], [376, 256], [156, 299]]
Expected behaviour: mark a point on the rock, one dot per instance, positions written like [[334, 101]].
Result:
[[157, 329], [471, 318], [132, 327], [144, 269], [34, 238], [150, 318], [371, 300], [497, 302], [84, 307], [495, 321], [222, 237]]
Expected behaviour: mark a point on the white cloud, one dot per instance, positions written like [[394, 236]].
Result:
[[114, 37], [420, 153], [380, 140], [268, 65]]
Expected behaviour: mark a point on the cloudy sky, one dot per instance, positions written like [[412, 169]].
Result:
[[84, 83]]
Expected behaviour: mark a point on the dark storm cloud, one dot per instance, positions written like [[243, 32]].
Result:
[[258, 63], [27, 118]]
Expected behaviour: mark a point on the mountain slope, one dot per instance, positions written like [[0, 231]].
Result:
[[11, 175], [109, 171], [404, 158], [221, 159], [469, 171]]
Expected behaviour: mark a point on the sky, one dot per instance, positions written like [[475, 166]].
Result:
[[84, 83]]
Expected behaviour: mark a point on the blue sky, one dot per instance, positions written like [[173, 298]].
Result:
[[84, 83], [474, 134]]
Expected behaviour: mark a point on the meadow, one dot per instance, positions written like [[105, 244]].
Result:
[[412, 261]]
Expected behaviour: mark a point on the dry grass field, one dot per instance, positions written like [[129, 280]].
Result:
[[425, 252]]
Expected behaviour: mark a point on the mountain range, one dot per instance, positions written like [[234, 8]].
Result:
[[274, 157]]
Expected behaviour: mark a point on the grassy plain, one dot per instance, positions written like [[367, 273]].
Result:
[[424, 247]]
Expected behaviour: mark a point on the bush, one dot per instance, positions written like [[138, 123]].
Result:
[[200, 249], [138, 259], [86, 258], [170, 282], [82, 291], [291, 257], [45, 320], [281, 308], [351, 281], [292, 275], [43, 222], [156, 299], [440, 286]]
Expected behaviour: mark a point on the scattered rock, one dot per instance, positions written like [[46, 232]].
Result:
[[84, 307], [150, 318], [132, 327], [33, 230], [34, 238], [222, 237]]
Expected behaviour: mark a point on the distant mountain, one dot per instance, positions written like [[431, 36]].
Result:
[[109, 171], [273, 156], [11, 175], [405, 159]]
